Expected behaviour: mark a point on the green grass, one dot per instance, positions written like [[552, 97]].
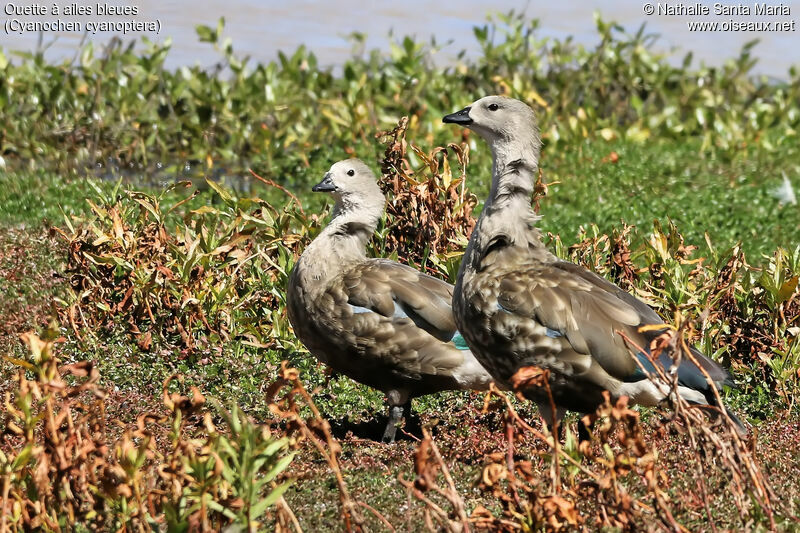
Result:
[[29, 264], [39, 198], [704, 148], [732, 200]]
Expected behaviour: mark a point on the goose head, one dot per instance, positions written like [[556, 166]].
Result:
[[498, 119], [354, 189]]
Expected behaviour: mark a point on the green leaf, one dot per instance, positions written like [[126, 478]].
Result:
[[223, 194], [787, 289], [279, 467], [23, 458], [259, 508], [205, 34], [275, 446]]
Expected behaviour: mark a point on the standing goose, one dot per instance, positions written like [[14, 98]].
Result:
[[518, 305], [379, 322]]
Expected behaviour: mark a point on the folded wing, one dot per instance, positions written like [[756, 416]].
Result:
[[590, 312], [403, 316]]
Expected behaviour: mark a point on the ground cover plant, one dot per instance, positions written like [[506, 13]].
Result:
[[165, 390]]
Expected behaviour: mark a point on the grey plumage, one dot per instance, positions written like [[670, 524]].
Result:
[[518, 305], [379, 322]]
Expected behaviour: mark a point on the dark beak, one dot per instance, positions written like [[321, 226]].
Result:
[[326, 185], [459, 117]]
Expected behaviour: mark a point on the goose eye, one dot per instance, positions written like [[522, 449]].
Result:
[[351, 172], [493, 107]]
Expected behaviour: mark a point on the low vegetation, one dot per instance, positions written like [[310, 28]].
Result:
[[165, 390]]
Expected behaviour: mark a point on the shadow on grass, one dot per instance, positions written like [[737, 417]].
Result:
[[372, 429]]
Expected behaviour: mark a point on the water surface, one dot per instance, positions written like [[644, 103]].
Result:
[[261, 28]]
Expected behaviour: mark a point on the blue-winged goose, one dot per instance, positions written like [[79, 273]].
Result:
[[518, 305], [379, 322]]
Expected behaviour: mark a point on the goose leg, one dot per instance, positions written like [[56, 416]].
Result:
[[510, 452], [553, 420], [395, 416]]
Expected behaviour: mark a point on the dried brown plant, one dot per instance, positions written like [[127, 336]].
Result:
[[429, 210]]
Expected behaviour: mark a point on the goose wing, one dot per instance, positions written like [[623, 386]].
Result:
[[588, 312], [399, 314]]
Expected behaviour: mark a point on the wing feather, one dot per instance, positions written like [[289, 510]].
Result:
[[589, 311], [403, 316], [583, 307]]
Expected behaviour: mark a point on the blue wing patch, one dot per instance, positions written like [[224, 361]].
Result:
[[398, 311], [638, 375], [688, 374], [459, 341], [553, 334]]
